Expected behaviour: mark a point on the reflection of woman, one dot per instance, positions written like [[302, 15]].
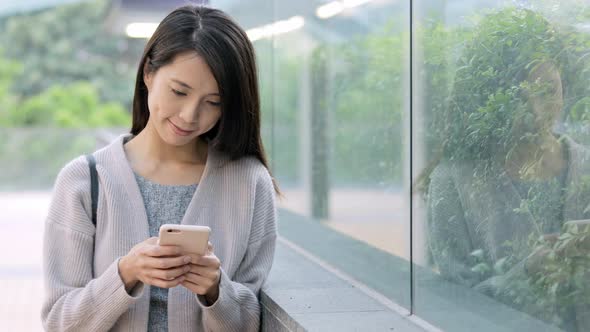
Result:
[[506, 177], [194, 156]]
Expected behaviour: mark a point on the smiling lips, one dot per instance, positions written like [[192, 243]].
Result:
[[179, 131]]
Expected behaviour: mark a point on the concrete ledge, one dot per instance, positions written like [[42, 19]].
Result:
[[301, 295]]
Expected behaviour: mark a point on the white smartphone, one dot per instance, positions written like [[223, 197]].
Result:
[[191, 238]]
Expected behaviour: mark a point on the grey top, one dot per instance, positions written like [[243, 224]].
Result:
[[164, 204], [551, 192]]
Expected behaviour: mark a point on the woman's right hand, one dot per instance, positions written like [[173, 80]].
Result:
[[152, 264]]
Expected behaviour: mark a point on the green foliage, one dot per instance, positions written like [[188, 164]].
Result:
[[68, 44], [280, 105], [367, 107], [559, 283], [73, 106], [364, 99], [488, 109], [440, 46], [32, 157], [60, 73], [488, 95], [44, 132], [8, 70]]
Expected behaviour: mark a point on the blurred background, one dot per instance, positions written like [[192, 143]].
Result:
[[350, 119]]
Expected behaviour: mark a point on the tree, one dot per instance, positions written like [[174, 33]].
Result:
[[68, 44]]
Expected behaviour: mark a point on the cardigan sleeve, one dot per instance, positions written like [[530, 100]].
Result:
[[451, 245], [237, 308], [449, 240], [73, 299]]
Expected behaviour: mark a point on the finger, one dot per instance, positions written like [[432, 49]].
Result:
[[166, 283], [199, 280], [208, 251], [208, 261], [197, 289], [203, 271], [170, 274], [165, 263], [194, 258], [163, 251]]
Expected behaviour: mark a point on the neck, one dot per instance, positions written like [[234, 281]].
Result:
[[538, 158]]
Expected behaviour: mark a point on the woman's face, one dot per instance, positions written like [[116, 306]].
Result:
[[183, 99]]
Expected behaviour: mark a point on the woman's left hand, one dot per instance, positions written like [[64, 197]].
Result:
[[204, 275]]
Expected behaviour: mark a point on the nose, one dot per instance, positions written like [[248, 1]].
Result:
[[189, 114]]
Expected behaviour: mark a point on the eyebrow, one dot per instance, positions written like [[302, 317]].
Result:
[[189, 87]]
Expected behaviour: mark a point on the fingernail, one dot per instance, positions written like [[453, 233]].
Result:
[[187, 259], [186, 269]]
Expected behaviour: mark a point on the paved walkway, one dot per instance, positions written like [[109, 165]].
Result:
[[21, 233]]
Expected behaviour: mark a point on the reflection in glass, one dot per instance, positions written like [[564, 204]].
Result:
[[507, 184]]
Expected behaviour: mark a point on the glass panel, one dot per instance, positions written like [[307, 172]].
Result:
[[501, 164], [66, 83], [339, 112], [251, 16]]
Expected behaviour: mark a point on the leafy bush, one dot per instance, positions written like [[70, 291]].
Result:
[[67, 44], [488, 95], [73, 106]]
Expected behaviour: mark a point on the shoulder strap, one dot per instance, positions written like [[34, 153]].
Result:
[[93, 185]]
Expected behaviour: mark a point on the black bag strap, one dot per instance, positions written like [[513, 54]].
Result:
[[93, 185]]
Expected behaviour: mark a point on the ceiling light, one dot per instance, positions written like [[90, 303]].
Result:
[[276, 28], [141, 30], [329, 9]]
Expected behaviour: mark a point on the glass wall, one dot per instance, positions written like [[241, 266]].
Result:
[[501, 162], [433, 151], [336, 105], [65, 89]]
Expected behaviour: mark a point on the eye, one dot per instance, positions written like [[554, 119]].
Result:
[[178, 93], [214, 103]]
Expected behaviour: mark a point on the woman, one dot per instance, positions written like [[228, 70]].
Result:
[[194, 156], [506, 178]]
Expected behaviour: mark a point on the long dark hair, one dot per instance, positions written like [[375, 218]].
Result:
[[228, 52]]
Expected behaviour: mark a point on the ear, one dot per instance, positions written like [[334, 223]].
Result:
[[147, 73]]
